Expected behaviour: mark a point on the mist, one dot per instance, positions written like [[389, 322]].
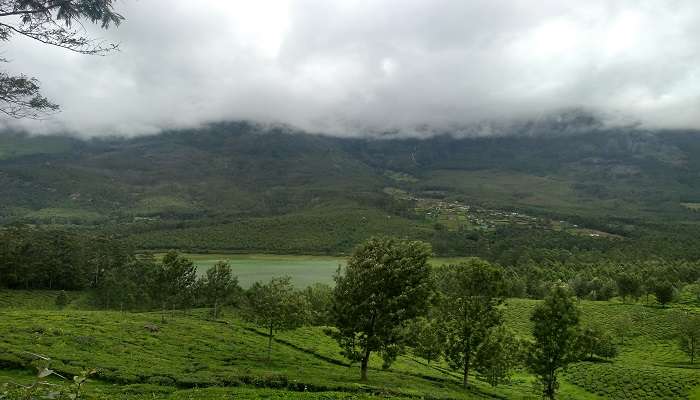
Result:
[[352, 68]]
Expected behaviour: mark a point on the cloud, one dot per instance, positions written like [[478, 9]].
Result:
[[356, 66]]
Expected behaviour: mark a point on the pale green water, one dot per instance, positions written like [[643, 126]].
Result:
[[304, 270]]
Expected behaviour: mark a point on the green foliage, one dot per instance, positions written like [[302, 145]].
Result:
[[219, 286], [227, 358], [129, 286], [174, 279], [688, 324], [593, 342], [427, 338], [61, 299], [275, 306], [586, 286], [554, 333], [643, 382], [471, 293], [319, 297], [385, 284], [498, 355], [309, 194], [664, 292], [629, 285]]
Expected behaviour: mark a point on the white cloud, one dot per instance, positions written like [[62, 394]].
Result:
[[349, 67]]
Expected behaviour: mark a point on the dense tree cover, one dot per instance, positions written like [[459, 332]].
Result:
[[56, 259], [385, 284]]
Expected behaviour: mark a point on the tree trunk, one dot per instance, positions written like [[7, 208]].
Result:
[[269, 345], [216, 308], [363, 365], [465, 381], [549, 386], [162, 313]]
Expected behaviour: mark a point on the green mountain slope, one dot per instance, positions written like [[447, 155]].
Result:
[[236, 186]]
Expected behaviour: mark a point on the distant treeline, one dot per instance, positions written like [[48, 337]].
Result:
[[596, 269]]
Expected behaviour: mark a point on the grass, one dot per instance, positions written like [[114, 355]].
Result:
[[649, 366], [192, 357]]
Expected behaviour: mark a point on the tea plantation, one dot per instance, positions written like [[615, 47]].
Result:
[[192, 357]]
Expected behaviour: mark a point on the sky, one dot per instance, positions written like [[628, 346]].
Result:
[[359, 67]]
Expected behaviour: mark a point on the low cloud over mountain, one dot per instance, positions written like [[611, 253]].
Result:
[[353, 67]]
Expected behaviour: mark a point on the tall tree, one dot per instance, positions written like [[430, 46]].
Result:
[[320, 299], [386, 283], [663, 291], [555, 324], [175, 277], [498, 355], [471, 293], [275, 306], [427, 338], [219, 286], [689, 334], [50, 22], [629, 285]]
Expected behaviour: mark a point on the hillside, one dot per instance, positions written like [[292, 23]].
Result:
[[238, 187], [134, 363]]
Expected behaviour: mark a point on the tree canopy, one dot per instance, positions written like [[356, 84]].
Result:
[[386, 283], [555, 331]]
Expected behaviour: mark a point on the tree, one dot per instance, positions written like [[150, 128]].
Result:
[[173, 281], [61, 299], [695, 290], [471, 293], [320, 299], [275, 306], [50, 22], [427, 339], [689, 334], [128, 286], [498, 355], [554, 330], [664, 292], [622, 327], [629, 286], [385, 284], [219, 286], [592, 342]]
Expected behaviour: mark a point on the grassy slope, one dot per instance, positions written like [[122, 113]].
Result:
[[649, 366], [190, 351]]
